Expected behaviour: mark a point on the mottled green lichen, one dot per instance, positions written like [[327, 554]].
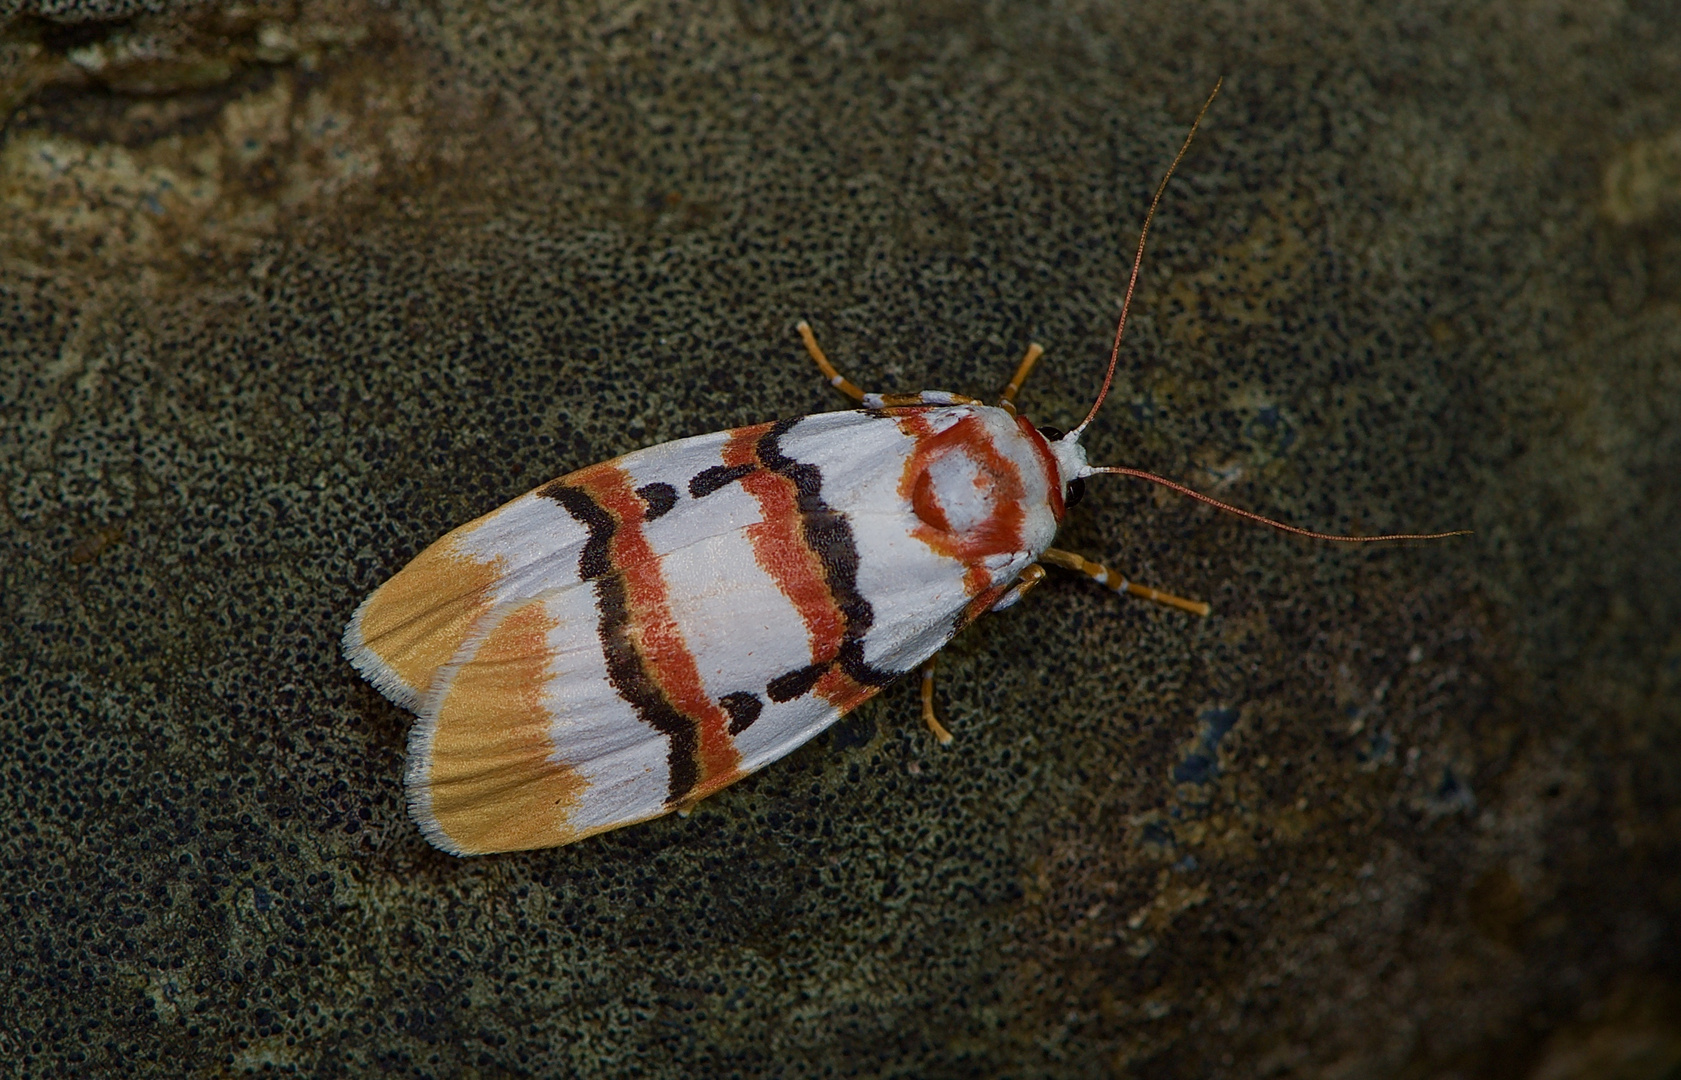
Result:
[[1402, 812]]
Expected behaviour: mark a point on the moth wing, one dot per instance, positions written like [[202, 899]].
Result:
[[852, 566], [417, 622], [545, 727], [913, 596], [524, 739], [637, 635]]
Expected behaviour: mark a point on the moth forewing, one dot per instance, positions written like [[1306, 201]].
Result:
[[634, 636]]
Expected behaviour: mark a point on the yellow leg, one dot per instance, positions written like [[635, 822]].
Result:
[[928, 716], [875, 401], [1030, 577], [836, 379], [1007, 400], [1103, 576]]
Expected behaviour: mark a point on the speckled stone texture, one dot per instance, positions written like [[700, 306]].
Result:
[[289, 289]]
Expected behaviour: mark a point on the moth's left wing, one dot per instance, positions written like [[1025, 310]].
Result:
[[658, 626], [414, 624]]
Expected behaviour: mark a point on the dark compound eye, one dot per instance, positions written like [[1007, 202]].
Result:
[[1051, 434]]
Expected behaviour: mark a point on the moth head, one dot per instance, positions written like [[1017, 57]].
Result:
[[1071, 465]]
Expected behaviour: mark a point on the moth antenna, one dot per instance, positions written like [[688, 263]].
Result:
[[1138, 262], [1279, 525]]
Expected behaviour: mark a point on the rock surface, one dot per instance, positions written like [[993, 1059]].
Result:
[[289, 289]]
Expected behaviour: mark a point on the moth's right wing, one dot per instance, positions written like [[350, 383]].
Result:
[[636, 635]]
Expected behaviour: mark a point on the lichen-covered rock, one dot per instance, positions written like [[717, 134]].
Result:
[[287, 290]]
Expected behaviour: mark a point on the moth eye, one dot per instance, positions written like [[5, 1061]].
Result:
[[1051, 434]]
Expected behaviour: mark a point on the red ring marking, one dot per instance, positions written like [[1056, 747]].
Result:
[[1001, 532]]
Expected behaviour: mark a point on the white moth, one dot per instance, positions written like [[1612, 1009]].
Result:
[[630, 638]]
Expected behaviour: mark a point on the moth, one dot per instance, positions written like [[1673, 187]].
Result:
[[632, 637]]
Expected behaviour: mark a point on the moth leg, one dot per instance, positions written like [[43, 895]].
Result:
[[1104, 576], [836, 379], [1030, 577], [1007, 400], [873, 401], [928, 716]]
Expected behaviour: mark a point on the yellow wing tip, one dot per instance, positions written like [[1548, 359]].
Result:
[[371, 666], [483, 771], [413, 625]]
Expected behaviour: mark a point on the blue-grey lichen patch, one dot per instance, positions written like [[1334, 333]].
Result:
[[1202, 763]]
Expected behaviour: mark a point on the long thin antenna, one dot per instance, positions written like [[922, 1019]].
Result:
[[1138, 262], [1279, 525]]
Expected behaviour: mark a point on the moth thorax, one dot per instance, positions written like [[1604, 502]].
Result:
[[955, 493]]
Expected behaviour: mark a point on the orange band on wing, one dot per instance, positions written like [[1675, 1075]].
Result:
[[491, 781], [780, 549], [842, 690], [653, 629]]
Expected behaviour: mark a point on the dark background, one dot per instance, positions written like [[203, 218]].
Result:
[[288, 290]]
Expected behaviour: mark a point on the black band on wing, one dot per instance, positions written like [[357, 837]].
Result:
[[707, 481], [796, 683], [828, 534], [625, 667]]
